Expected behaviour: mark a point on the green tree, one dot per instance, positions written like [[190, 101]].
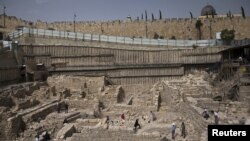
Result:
[[191, 15], [243, 12], [227, 36], [198, 26], [160, 15]]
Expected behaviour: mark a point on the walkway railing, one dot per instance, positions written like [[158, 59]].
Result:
[[234, 43], [120, 39], [110, 39]]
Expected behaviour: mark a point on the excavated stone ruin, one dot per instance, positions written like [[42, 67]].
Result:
[[28, 109]]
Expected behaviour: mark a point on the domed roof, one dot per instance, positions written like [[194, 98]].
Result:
[[208, 10]]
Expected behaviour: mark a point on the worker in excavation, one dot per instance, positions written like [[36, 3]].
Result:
[[137, 125], [205, 114], [183, 130], [173, 130], [107, 121], [23, 72], [216, 118], [123, 116], [37, 137], [47, 136], [122, 119], [152, 117]]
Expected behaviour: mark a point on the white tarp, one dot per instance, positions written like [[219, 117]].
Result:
[[218, 35], [7, 44]]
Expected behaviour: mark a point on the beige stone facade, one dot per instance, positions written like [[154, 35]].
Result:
[[167, 28]]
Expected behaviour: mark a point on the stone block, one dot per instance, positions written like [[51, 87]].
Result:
[[36, 85], [100, 90], [67, 131], [40, 112], [66, 93], [20, 93], [96, 108], [234, 110], [120, 94], [53, 90], [6, 101], [31, 89], [130, 101], [27, 104], [84, 92], [15, 125]]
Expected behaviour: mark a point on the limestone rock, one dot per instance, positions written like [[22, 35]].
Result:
[[66, 93], [120, 94], [96, 107], [20, 93], [53, 90], [130, 101], [66, 131]]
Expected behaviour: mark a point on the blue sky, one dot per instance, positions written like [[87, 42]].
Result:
[[104, 10]]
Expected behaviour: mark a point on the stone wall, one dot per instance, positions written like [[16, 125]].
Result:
[[5, 99], [8, 74], [24, 104], [76, 83], [7, 58], [180, 28], [19, 96], [124, 65], [94, 56], [107, 135], [15, 125]]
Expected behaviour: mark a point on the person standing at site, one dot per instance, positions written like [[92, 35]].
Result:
[[205, 114], [37, 137], [137, 125], [122, 116], [216, 118], [23, 72], [107, 121], [151, 117], [183, 130], [173, 130], [47, 136], [66, 107]]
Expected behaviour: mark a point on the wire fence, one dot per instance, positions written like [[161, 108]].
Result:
[[120, 39]]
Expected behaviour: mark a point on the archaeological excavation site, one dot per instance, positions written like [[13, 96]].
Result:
[[95, 84]]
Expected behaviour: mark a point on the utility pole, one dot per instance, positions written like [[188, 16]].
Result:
[[74, 22], [4, 16]]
